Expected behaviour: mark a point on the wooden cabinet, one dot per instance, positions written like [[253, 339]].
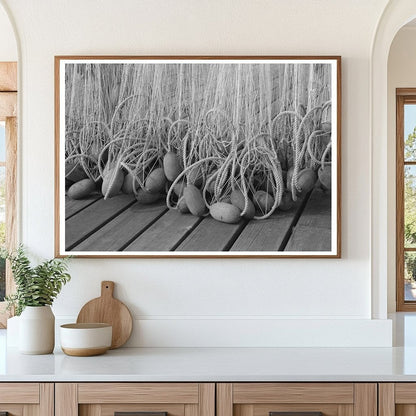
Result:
[[27, 399], [208, 399], [263, 399], [397, 399], [106, 399]]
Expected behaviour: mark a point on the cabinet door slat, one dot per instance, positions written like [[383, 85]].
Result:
[[341, 393], [138, 393], [386, 399], [206, 399], [66, 400], [24, 393], [224, 399], [365, 398], [405, 393]]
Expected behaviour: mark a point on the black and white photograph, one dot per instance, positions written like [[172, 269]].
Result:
[[198, 156]]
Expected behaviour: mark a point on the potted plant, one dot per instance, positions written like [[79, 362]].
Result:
[[36, 289]]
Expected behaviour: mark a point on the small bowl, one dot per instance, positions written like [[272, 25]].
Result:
[[84, 340]]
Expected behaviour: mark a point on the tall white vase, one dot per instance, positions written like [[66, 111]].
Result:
[[37, 330]]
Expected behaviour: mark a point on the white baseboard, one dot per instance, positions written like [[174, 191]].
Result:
[[188, 332]]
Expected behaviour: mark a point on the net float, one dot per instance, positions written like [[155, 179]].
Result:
[[263, 201], [224, 212], [324, 175], [178, 188], [239, 200], [128, 184], [194, 200], [306, 180], [182, 207], [155, 181], [171, 166], [81, 189]]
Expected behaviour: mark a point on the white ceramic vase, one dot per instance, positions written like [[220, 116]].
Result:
[[37, 330]]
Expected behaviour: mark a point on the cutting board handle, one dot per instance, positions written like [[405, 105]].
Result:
[[107, 288]]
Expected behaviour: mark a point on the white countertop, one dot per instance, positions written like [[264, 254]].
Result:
[[222, 364], [215, 364]]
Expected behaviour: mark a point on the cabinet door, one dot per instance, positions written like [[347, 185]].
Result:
[[141, 399], [297, 399], [26, 399], [397, 399]]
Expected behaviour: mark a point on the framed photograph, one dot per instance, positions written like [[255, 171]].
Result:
[[192, 156]]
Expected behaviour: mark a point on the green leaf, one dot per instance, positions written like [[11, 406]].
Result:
[[35, 286]]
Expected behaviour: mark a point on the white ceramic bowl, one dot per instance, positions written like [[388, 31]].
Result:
[[84, 340]]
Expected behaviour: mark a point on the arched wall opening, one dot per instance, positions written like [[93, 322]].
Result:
[[396, 15], [401, 74]]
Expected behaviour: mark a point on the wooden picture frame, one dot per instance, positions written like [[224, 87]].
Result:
[[212, 135]]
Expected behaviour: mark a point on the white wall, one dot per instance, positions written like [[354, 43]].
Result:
[[202, 299], [401, 74], [8, 47]]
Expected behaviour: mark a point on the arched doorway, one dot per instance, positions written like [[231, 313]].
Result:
[[396, 15]]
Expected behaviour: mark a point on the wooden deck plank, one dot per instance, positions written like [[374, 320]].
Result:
[[72, 206], [267, 234], [309, 239], [166, 233], [313, 230], [211, 235], [114, 235], [81, 225], [317, 212]]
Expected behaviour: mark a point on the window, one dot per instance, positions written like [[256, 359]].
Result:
[[406, 199], [8, 167]]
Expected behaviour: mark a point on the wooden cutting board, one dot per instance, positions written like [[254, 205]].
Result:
[[107, 309]]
